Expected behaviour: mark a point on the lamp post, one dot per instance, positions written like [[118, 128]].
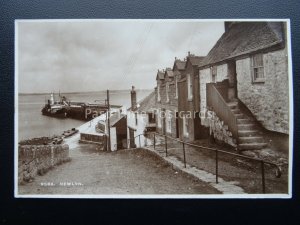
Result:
[[108, 121]]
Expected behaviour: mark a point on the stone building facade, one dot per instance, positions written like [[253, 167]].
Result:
[[268, 100], [167, 103], [251, 59], [190, 128]]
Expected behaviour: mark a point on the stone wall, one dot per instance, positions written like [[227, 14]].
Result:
[[36, 160], [219, 130], [209, 118], [205, 77], [269, 100]]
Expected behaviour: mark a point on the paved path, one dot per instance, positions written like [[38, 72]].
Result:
[[123, 172]]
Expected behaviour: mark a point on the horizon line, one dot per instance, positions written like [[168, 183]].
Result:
[[76, 92]]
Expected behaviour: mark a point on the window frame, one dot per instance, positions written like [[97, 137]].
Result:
[[214, 74], [253, 67], [189, 87]]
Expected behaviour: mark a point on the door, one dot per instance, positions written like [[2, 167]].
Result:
[[232, 90], [131, 138]]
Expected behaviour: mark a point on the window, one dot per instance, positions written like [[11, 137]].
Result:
[[176, 88], [185, 126], [167, 92], [151, 117], [257, 68], [214, 74], [168, 121], [189, 87], [158, 93]]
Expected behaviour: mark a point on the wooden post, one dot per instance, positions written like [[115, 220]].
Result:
[[154, 141]]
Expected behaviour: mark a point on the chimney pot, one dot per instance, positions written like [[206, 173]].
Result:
[[133, 99]]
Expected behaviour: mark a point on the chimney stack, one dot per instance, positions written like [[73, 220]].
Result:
[[189, 53], [133, 99], [227, 25]]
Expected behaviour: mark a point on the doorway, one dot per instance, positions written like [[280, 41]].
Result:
[[232, 89], [131, 138]]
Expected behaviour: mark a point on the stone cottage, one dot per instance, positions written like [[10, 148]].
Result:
[[244, 90], [141, 118], [190, 128]]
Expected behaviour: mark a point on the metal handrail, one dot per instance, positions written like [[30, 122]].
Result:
[[216, 150]]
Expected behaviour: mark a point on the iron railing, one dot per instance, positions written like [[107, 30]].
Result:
[[217, 151]]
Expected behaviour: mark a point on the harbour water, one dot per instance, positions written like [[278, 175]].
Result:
[[32, 123]]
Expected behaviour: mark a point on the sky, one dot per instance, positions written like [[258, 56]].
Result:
[[95, 55]]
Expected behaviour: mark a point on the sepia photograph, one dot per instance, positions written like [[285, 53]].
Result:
[[153, 108]]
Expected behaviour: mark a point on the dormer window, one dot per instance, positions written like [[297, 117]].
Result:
[[189, 87]]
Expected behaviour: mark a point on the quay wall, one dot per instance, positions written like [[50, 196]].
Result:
[[36, 160]]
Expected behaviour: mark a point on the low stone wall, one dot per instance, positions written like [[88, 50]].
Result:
[[38, 159]]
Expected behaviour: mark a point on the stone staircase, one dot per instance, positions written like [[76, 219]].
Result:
[[249, 135]]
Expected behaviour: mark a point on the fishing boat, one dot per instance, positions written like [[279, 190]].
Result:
[[55, 109], [77, 110]]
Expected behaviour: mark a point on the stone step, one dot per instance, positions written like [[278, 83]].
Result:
[[232, 105], [255, 139], [240, 116], [244, 121], [250, 126], [252, 146], [236, 111], [248, 133]]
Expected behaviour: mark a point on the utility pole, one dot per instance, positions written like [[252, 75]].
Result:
[[108, 121]]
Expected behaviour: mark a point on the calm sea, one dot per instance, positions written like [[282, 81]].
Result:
[[33, 124]]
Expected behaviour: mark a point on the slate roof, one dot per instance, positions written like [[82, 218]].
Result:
[[115, 118], [148, 103], [180, 64], [196, 60], [244, 38], [169, 73], [160, 75]]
